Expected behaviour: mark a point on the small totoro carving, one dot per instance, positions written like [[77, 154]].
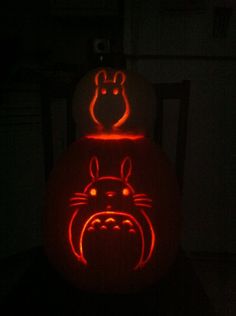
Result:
[[109, 107]]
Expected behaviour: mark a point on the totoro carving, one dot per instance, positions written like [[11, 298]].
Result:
[[110, 209], [109, 107]]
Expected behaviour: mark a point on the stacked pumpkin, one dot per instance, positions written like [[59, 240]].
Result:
[[112, 211]]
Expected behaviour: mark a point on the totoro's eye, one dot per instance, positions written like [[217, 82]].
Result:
[[115, 91], [93, 192], [126, 192], [103, 91]]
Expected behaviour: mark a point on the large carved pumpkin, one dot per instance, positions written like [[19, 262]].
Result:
[[112, 213]]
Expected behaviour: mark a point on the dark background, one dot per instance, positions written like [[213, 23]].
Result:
[[54, 43]]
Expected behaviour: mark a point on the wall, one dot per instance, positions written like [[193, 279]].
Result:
[[41, 41], [208, 183], [22, 172]]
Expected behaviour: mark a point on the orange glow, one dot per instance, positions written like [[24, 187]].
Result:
[[96, 221], [110, 193], [153, 238], [103, 227], [127, 222], [71, 241], [115, 91], [101, 79], [93, 192], [125, 192], [132, 231], [104, 136], [103, 91], [76, 199], [144, 199], [77, 204], [108, 220], [142, 204], [81, 194], [116, 227], [91, 229]]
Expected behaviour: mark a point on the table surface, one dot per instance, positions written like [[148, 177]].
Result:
[[41, 291]]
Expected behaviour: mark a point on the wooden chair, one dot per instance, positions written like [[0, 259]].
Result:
[[174, 91]]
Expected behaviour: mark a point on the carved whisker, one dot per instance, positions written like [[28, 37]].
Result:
[[78, 199], [142, 199], [78, 204], [140, 195], [81, 194], [144, 205]]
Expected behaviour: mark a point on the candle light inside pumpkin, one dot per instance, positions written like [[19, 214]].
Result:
[[111, 220]]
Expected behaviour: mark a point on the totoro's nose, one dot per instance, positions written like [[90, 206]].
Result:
[[110, 194]]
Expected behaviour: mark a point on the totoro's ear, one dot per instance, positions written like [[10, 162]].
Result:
[[126, 169], [94, 168], [100, 77], [119, 77]]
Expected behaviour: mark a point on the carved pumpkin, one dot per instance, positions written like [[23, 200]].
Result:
[[112, 220]]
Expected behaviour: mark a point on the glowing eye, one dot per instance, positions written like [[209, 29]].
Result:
[[93, 192], [115, 91], [126, 192], [103, 91]]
